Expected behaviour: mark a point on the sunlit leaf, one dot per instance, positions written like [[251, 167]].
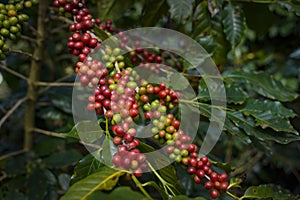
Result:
[[269, 114], [263, 84], [268, 191], [87, 131], [105, 179], [124, 193]]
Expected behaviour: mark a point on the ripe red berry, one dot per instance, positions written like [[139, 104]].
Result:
[[224, 185], [117, 159], [81, 57], [197, 179], [193, 162], [223, 177], [200, 173], [117, 140], [217, 185], [191, 170], [214, 176], [93, 42], [214, 193], [208, 185]]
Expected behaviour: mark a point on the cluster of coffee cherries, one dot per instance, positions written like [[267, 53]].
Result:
[[200, 168], [11, 19], [82, 41], [127, 100]]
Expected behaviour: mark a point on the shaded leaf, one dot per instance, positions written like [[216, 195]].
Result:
[[100, 33], [153, 10], [113, 9], [62, 99], [48, 145], [208, 43], [263, 84], [234, 25], [13, 195], [269, 114], [38, 183], [105, 179], [61, 159], [180, 9], [51, 113], [86, 166], [201, 19], [222, 45], [268, 191], [124, 193], [64, 181]]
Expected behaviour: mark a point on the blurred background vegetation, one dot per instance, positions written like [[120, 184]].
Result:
[[268, 40]]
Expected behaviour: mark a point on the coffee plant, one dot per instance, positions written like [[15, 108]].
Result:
[[90, 110]]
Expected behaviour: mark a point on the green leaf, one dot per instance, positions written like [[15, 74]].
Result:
[[247, 124], [180, 9], [222, 45], [234, 25], [100, 33], [168, 173], [178, 82], [183, 197], [263, 84], [106, 153], [47, 145], [38, 183], [87, 131], [201, 19], [105, 179], [153, 10], [86, 166], [208, 43], [62, 99], [124, 193], [61, 159], [234, 93], [268, 191], [113, 9], [269, 114], [64, 181]]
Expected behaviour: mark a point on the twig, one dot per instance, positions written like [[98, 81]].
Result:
[[63, 19], [13, 72], [58, 80], [29, 55], [12, 154], [248, 166], [56, 84], [3, 109], [3, 176], [28, 38], [10, 112], [50, 133], [296, 174]]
